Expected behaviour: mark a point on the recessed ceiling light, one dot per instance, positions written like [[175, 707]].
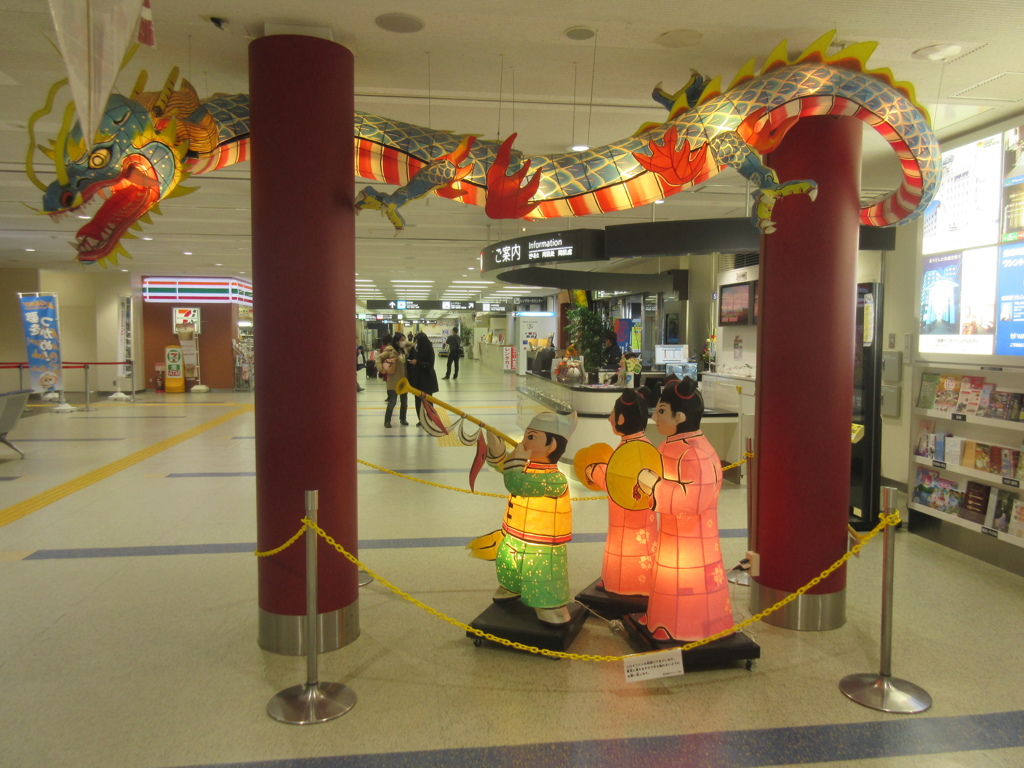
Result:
[[578, 148], [218, 265], [147, 238], [403, 23], [30, 250], [83, 217], [940, 52], [658, 202], [679, 38], [186, 253], [124, 270], [580, 33]]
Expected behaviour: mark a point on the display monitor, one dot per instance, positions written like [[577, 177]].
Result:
[[734, 304], [972, 268], [676, 354]]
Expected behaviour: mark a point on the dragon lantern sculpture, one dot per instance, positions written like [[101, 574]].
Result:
[[152, 141]]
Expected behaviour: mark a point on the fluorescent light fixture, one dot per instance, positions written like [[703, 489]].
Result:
[[364, 281], [658, 202], [412, 281], [534, 314], [147, 238], [30, 250], [578, 148], [245, 323], [474, 282], [186, 253]]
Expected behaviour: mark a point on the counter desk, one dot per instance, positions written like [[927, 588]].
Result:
[[593, 403]]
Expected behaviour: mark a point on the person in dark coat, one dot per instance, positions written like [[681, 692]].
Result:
[[420, 369], [454, 343]]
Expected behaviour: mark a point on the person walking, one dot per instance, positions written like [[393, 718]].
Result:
[[360, 364], [382, 343], [420, 367], [392, 362], [454, 342]]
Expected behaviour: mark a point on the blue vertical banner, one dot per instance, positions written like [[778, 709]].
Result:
[[42, 340], [1010, 305]]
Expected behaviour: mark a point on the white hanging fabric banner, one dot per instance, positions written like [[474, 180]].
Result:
[[93, 36]]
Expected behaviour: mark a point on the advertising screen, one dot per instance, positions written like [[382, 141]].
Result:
[[734, 304], [972, 270]]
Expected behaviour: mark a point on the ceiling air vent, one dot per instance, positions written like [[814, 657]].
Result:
[[1006, 86]]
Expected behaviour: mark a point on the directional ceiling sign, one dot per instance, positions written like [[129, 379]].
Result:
[[424, 306]]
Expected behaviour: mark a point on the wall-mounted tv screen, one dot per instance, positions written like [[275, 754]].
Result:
[[734, 304], [972, 270]]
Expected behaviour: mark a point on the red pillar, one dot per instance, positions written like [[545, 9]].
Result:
[[807, 292], [303, 255]]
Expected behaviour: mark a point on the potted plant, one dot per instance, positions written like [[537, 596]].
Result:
[[586, 330]]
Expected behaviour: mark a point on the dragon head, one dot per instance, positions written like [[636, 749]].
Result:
[[137, 160]]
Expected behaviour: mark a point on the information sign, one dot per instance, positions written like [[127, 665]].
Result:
[[552, 247]]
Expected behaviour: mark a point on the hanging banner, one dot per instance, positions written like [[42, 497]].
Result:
[[42, 340], [124, 334]]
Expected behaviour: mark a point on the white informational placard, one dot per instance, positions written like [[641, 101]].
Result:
[[651, 666]]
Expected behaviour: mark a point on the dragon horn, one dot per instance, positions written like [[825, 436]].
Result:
[[165, 92], [35, 118], [62, 141], [140, 85]]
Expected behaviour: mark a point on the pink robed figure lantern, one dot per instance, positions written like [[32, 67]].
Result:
[[689, 599], [632, 532]]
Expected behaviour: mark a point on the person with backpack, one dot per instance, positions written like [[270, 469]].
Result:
[[454, 343], [392, 363]]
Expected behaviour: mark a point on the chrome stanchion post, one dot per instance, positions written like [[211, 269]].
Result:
[[314, 702], [87, 407], [883, 691], [740, 575], [131, 367], [364, 578]]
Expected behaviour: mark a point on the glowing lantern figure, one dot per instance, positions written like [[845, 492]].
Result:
[[690, 597], [531, 560], [632, 526]]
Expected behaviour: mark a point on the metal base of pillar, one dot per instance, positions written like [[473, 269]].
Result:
[[886, 694], [286, 634], [199, 389], [306, 704], [807, 612], [738, 577], [365, 578]]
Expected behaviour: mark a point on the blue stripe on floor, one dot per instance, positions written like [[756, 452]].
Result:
[[826, 744], [232, 548]]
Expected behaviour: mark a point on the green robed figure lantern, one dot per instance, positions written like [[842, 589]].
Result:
[[532, 562]]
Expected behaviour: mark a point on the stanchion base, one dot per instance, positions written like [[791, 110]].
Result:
[[64, 408], [739, 578], [610, 604], [365, 578], [307, 704], [200, 389], [118, 396], [735, 647], [514, 621], [886, 694]]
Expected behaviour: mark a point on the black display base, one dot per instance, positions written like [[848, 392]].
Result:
[[514, 621], [609, 604], [736, 647]]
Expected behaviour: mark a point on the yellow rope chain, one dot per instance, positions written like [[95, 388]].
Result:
[[893, 519], [504, 495]]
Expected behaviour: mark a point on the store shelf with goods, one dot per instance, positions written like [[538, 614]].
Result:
[[980, 528], [966, 454]]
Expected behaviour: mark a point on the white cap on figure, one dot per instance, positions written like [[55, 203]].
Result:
[[555, 423]]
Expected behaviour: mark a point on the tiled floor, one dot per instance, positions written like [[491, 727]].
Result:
[[128, 622]]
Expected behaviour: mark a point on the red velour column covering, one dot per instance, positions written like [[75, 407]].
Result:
[[807, 293], [303, 254]]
